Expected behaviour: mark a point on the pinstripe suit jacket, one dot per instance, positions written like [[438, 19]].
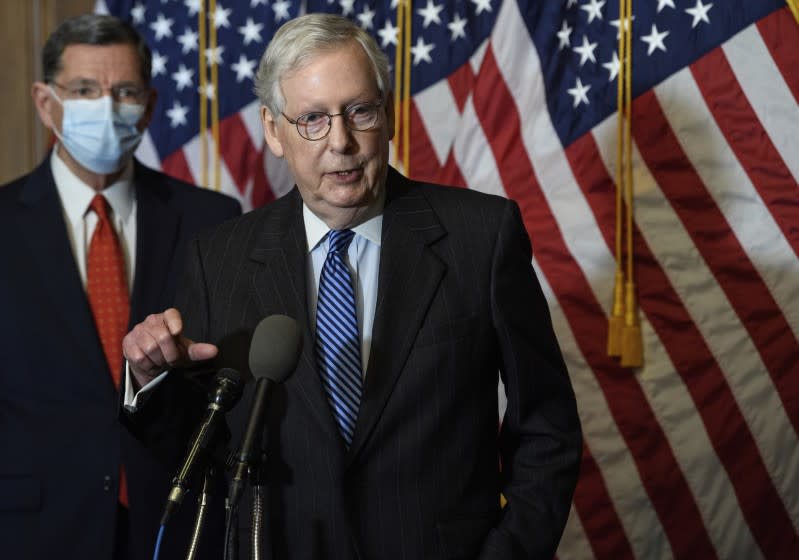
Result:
[[458, 303]]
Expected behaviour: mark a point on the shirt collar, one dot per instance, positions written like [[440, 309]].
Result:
[[316, 229], [76, 195]]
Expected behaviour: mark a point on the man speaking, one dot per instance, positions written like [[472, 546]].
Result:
[[412, 300]]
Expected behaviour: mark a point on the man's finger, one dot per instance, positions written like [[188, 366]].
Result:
[[199, 351]]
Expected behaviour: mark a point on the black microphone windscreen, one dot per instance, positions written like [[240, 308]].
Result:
[[237, 378], [275, 348]]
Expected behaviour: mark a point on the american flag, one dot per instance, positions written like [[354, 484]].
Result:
[[694, 455]]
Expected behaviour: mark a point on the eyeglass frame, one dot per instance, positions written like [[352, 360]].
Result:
[[137, 97], [376, 105]]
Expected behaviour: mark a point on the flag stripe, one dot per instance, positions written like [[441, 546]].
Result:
[[780, 32], [753, 148], [705, 384], [493, 103], [710, 233]]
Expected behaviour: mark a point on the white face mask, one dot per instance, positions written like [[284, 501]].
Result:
[[99, 133]]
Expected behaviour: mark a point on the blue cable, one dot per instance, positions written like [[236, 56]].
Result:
[[158, 542]]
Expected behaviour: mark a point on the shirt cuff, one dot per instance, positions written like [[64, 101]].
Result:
[[133, 400]]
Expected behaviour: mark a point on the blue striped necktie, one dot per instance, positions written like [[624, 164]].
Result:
[[338, 346]]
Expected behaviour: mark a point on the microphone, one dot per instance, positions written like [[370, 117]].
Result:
[[229, 386], [274, 353]]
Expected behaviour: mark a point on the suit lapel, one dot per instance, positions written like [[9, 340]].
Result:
[[410, 273], [44, 230], [157, 227], [280, 286]]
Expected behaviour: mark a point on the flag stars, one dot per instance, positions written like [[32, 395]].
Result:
[[209, 91], [655, 40], [457, 27], [593, 9], [430, 13], [613, 66], [482, 6], [617, 24], [244, 68], [183, 77], [220, 16], [251, 31], [699, 12], [579, 93], [214, 56], [137, 13], [586, 51], [193, 6], [570, 3], [421, 51], [663, 3], [188, 40], [563, 35], [281, 10], [366, 18], [162, 27], [388, 35], [177, 114], [254, 3], [347, 7], [158, 64]]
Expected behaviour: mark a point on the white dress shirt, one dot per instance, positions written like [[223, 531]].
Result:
[[75, 199]]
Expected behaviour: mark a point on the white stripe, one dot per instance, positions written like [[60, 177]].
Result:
[[574, 543], [636, 513], [514, 50], [767, 92], [713, 316], [474, 156], [436, 105], [735, 195], [251, 117], [146, 152]]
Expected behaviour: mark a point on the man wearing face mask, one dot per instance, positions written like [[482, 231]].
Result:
[[91, 243]]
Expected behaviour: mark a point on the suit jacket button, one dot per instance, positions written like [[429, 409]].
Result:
[[107, 483]]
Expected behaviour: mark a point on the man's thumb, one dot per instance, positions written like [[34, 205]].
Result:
[[201, 351]]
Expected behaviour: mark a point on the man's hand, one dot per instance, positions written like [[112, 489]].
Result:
[[157, 344]]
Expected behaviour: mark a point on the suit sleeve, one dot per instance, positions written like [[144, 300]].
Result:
[[540, 436]]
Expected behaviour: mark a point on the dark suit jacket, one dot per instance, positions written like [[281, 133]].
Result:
[[59, 433], [458, 303]]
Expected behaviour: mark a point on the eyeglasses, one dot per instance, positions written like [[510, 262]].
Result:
[[93, 90], [316, 125]]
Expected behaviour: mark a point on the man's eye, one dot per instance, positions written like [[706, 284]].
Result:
[[84, 91], [313, 118]]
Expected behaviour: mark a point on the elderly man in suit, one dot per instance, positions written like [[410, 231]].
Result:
[[91, 242], [412, 299]]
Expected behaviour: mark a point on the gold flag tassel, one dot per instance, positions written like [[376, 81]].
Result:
[[215, 100], [616, 322], [203, 97], [402, 86], [794, 6], [632, 347]]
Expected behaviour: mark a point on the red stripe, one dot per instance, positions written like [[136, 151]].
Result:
[[461, 83], [750, 142], [732, 440], [643, 435], [780, 33], [237, 150], [424, 162], [720, 249], [598, 513], [177, 166]]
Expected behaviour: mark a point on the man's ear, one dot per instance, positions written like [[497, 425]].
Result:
[[270, 132], [45, 104], [389, 108], [152, 97]]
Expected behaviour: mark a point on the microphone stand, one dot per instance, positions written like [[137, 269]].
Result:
[[257, 533], [203, 501]]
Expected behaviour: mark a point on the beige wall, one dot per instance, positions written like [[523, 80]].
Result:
[[24, 27]]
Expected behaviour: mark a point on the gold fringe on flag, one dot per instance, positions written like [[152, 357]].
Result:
[[402, 85], [624, 330], [794, 6], [203, 97], [215, 100]]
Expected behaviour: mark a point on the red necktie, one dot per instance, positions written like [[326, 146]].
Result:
[[107, 287]]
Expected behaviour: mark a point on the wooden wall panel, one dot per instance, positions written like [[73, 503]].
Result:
[[24, 27]]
